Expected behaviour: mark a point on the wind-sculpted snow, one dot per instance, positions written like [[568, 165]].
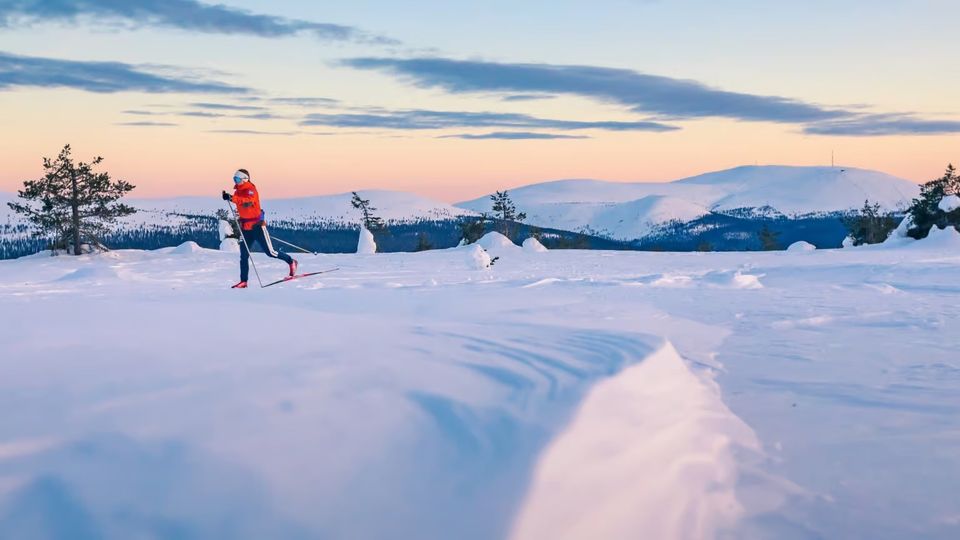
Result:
[[554, 394]]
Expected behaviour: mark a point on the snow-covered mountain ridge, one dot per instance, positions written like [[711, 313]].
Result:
[[722, 209], [628, 211]]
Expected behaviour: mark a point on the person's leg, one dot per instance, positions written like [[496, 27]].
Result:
[[245, 255], [268, 247]]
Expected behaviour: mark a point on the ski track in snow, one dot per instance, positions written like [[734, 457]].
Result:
[[555, 395]]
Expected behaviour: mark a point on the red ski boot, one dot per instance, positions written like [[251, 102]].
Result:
[[241, 285], [293, 268]]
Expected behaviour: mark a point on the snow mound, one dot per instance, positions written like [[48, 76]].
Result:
[[848, 242], [727, 279], [803, 246], [477, 258], [654, 424], [496, 242], [532, 245], [941, 239], [92, 273], [949, 203], [187, 248], [230, 245], [899, 235], [365, 244]]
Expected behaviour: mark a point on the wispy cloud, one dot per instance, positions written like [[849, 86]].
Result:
[[147, 124], [190, 15], [643, 93], [305, 101], [252, 132], [874, 125], [103, 77], [227, 107], [527, 97], [426, 119], [511, 136], [202, 114], [662, 97]]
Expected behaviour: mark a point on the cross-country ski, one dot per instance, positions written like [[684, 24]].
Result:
[[299, 276]]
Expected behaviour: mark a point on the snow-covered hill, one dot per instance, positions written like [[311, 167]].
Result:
[[628, 211]]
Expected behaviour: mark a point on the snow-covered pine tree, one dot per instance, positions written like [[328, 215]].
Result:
[[925, 211], [371, 221], [72, 203], [231, 224]]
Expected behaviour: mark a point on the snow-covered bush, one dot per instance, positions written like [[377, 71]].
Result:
[[477, 258], [230, 245]]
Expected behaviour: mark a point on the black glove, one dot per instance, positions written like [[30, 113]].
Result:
[[227, 196]]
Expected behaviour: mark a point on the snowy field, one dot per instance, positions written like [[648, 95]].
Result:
[[573, 394]]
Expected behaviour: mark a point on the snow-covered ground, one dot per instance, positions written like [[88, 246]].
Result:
[[562, 394]]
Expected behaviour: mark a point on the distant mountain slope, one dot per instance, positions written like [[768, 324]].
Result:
[[629, 211]]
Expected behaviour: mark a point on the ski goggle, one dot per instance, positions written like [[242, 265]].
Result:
[[238, 178]]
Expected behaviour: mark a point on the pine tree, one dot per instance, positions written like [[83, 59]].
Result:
[[370, 220], [925, 210], [72, 203], [506, 211], [870, 225], [769, 240], [473, 229], [423, 243]]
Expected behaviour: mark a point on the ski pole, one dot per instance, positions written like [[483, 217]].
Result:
[[272, 237], [243, 239]]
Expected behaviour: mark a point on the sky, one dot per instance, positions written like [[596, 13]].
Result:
[[456, 99]]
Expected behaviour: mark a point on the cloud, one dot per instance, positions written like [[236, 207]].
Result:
[[102, 77], [202, 114], [527, 97], [512, 136], [261, 116], [252, 132], [146, 124], [643, 93], [305, 101], [227, 107], [874, 125], [426, 119], [190, 15]]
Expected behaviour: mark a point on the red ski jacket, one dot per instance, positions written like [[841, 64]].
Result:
[[247, 199]]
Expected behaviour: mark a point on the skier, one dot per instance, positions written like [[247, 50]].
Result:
[[252, 225]]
